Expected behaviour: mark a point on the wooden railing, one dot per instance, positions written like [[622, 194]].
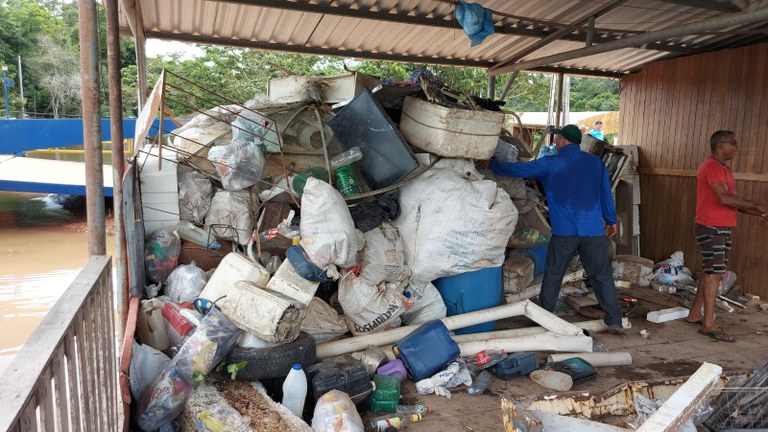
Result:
[[65, 377]]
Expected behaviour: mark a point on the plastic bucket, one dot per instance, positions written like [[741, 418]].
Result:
[[472, 291]]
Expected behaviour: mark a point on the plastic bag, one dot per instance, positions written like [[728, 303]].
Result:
[[164, 400], [161, 254], [230, 216], [327, 230], [454, 375], [383, 259], [185, 283], [323, 322], [146, 365], [453, 222], [427, 306], [335, 412], [239, 164], [195, 193], [367, 307], [251, 126], [476, 21]]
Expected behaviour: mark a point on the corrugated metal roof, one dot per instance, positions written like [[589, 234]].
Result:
[[425, 31]]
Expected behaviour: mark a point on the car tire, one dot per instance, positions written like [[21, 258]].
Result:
[[274, 362]]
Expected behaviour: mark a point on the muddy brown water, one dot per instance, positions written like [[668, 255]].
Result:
[[43, 246]]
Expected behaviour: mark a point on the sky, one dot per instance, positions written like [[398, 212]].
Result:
[[157, 47]]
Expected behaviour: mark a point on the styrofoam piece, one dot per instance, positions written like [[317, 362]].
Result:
[[234, 267], [159, 187], [288, 282], [334, 88], [450, 132], [633, 269], [596, 359], [668, 314]]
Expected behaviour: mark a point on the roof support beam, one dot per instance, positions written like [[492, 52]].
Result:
[[522, 29], [712, 5], [588, 18], [640, 40], [300, 49]]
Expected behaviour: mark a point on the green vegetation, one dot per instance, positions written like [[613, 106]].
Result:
[[45, 34]]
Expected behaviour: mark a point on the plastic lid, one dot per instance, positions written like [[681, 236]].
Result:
[[296, 366], [407, 294]]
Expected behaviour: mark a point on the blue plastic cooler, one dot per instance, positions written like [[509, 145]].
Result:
[[472, 291]]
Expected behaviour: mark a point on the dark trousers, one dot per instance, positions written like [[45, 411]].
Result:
[[593, 252]]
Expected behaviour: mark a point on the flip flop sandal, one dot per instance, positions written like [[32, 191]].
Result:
[[719, 335], [696, 323]]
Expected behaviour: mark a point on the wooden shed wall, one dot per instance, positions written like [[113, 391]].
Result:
[[669, 110]]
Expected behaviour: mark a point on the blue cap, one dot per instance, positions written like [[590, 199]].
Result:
[[407, 294], [296, 366]]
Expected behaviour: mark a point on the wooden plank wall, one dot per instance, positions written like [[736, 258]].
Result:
[[669, 110]]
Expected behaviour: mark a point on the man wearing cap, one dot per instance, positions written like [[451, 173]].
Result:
[[597, 132], [582, 212]]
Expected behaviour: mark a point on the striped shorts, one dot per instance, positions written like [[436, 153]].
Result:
[[715, 243]]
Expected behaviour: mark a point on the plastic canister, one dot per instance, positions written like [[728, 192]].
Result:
[[234, 267], [471, 291], [287, 281], [516, 364], [303, 265], [386, 394], [394, 368], [426, 350]]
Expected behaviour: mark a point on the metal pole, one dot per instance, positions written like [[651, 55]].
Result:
[[5, 87], [21, 90], [642, 39], [94, 174], [508, 85], [491, 87], [560, 79], [118, 167]]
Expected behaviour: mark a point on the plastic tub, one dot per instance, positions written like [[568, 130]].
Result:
[[472, 291]]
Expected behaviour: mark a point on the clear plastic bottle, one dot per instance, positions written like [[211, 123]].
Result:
[[295, 390], [396, 421], [481, 383], [347, 158], [413, 409], [202, 237]]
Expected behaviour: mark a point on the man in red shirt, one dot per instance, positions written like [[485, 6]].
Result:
[[716, 208]]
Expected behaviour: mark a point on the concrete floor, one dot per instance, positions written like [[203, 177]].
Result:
[[673, 349]]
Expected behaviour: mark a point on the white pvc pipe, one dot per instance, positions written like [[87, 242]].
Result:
[[542, 342], [596, 359], [359, 343], [550, 321]]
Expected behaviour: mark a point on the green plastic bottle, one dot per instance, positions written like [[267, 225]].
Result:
[[386, 393], [346, 182], [300, 180]]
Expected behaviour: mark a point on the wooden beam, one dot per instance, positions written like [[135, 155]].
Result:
[[692, 173]]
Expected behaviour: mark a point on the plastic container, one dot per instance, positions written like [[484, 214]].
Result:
[[387, 159], [472, 291], [394, 368], [385, 423], [287, 281], [347, 158], [303, 266], [413, 409], [577, 368], [233, 267], [450, 132], [386, 394], [300, 180], [426, 350], [516, 364], [344, 373], [539, 257], [295, 390], [199, 236], [481, 383], [346, 182]]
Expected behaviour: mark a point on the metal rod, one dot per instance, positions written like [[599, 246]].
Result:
[[118, 167], [639, 40], [508, 85], [94, 175], [491, 87], [21, 90], [558, 118]]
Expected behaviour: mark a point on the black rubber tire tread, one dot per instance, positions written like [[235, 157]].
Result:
[[274, 362]]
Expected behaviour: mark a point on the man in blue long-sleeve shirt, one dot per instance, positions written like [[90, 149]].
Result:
[[582, 212]]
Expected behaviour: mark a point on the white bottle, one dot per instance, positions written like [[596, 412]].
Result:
[[295, 390], [202, 237]]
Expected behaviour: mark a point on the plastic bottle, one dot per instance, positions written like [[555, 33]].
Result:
[[485, 359], [481, 383], [346, 182], [386, 393], [199, 236], [300, 180], [413, 409], [347, 158], [295, 390], [397, 421]]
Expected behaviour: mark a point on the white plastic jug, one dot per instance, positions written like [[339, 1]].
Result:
[[234, 267], [295, 390], [287, 281]]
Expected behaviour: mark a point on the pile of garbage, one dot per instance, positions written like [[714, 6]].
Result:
[[270, 263]]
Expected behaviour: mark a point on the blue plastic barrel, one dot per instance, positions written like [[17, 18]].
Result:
[[472, 291], [539, 257]]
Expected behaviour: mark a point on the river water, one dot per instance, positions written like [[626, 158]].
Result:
[[43, 246]]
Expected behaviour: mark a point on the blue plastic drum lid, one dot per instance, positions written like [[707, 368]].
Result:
[[468, 292]]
